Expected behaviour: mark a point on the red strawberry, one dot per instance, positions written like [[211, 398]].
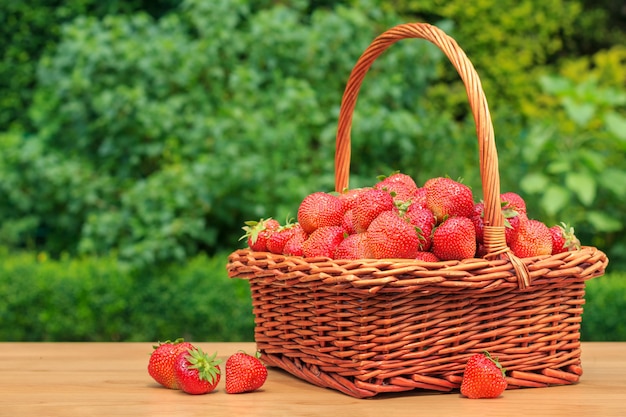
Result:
[[446, 198], [484, 377], [258, 232], [563, 239], [391, 236], [420, 197], [478, 219], [401, 186], [513, 202], [424, 221], [196, 372], [354, 246], [512, 224], [369, 204], [348, 222], [161, 363], [426, 257], [293, 247], [533, 238], [244, 373], [348, 198], [320, 209], [278, 239], [323, 242], [455, 238]]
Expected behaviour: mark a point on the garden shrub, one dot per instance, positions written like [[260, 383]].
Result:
[[99, 299]]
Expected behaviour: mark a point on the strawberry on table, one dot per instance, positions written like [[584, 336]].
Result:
[[455, 239], [161, 363], [244, 373], [196, 372], [484, 377]]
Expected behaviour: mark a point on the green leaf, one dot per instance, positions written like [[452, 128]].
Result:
[[581, 113], [614, 179], [554, 199], [616, 124], [583, 185], [602, 222], [534, 183]]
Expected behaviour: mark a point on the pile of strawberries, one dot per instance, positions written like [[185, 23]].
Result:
[[397, 219], [180, 365]]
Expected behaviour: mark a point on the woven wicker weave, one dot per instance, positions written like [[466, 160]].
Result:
[[372, 326]]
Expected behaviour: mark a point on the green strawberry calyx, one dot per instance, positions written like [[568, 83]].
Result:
[[206, 365], [496, 362]]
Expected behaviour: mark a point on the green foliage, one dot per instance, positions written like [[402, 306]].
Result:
[[166, 119], [603, 317], [98, 299], [30, 28], [573, 156], [153, 130]]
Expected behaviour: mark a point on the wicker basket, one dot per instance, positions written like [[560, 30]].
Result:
[[373, 326]]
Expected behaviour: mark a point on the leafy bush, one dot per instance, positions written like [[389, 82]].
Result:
[[603, 316], [166, 120], [98, 299], [29, 29]]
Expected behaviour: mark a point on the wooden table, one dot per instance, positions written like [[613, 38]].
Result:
[[111, 379]]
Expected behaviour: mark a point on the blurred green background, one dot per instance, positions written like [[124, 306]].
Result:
[[137, 136]]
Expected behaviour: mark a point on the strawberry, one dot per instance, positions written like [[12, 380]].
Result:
[[293, 247], [354, 246], [446, 198], [426, 256], [512, 202], [258, 232], [563, 239], [424, 221], [244, 373], [484, 377], [455, 238], [392, 236], [533, 238], [420, 197], [278, 239], [477, 217], [512, 224], [320, 209], [348, 198], [196, 372], [401, 186], [348, 222], [369, 204], [161, 363], [323, 242]]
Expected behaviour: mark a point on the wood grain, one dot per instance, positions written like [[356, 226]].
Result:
[[110, 379]]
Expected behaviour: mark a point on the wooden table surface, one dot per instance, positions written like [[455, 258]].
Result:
[[111, 379]]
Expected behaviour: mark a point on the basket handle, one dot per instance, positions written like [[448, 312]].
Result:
[[494, 238]]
